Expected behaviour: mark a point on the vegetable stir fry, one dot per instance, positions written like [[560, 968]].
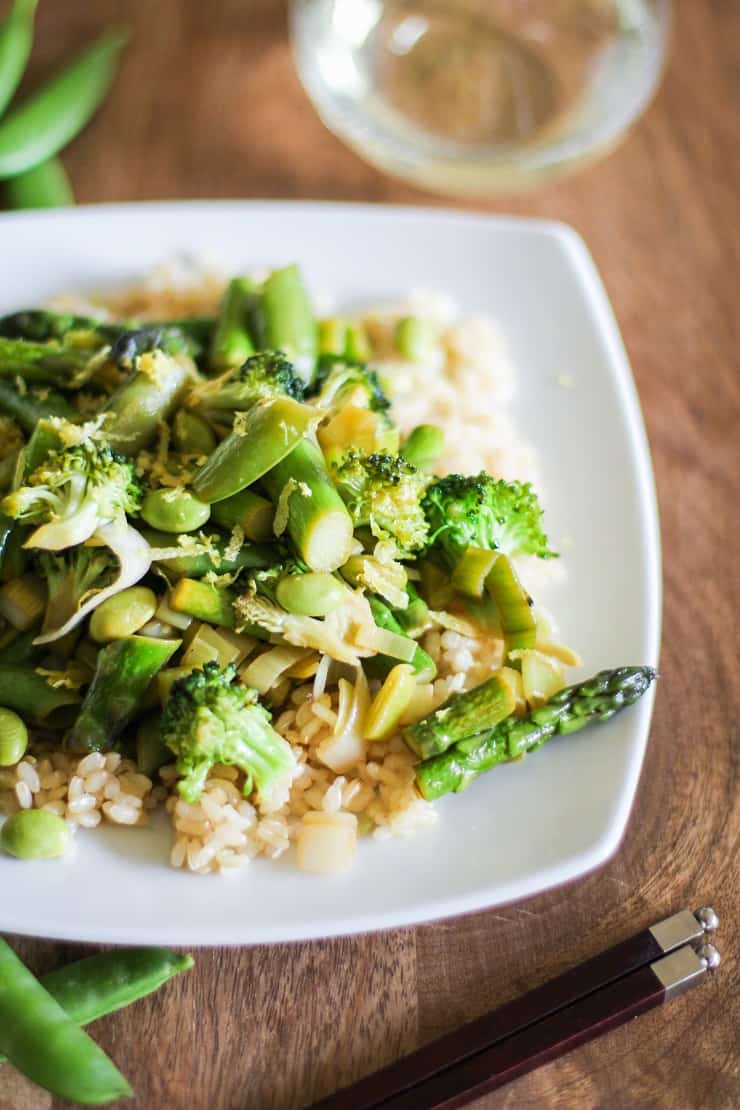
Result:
[[207, 520]]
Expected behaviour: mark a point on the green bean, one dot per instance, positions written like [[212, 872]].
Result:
[[192, 434], [46, 1045], [151, 751], [255, 515], [16, 39], [13, 738], [44, 186], [124, 670], [22, 689], [99, 985], [288, 320], [141, 404], [34, 834], [251, 556], [27, 409], [424, 446], [174, 510], [315, 594], [261, 438], [123, 614], [231, 343], [43, 124]]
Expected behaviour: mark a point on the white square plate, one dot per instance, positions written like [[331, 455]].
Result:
[[526, 826]]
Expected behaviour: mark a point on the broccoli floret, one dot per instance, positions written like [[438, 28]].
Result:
[[384, 493], [481, 511], [71, 577], [73, 492], [208, 719], [341, 382], [266, 374]]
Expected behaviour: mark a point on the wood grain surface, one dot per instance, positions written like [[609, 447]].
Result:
[[208, 105]]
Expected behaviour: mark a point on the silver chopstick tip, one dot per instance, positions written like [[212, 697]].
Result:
[[707, 918], [709, 956]]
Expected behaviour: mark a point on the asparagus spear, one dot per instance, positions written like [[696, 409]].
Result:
[[596, 699], [317, 519], [182, 562], [41, 362], [231, 344], [27, 410], [461, 716], [124, 670], [40, 325], [288, 320], [247, 510]]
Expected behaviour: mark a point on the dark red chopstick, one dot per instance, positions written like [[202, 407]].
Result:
[[479, 1037]]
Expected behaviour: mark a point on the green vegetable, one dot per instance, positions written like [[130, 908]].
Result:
[[124, 671], [288, 320], [482, 512], [246, 510], [99, 985], [129, 344], [384, 492], [16, 39], [378, 666], [317, 520], [332, 336], [416, 339], [123, 614], [208, 720], [513, 604], [206, 556], [44, 186], [22, 689], [461, 716], [315, 594], [203, 601], [261, 438], [597, 699], [174, 510], [231, 343], [264, 376], [45, 1044], [75, 491], [71, 577], [470, 573], [27, 408], [151, 751], [43, 124], [141, 404], [19, 649], [34, 834], [42, 363], [13, 738], [414, 618], [342, 382], [424, 446], [191, 434]]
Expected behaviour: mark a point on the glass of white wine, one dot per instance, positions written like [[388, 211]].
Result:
[[479, 96]]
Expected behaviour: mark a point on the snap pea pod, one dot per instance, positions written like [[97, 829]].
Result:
[[22, 689], [124, 670], [41, 363], [253, 556], [16, 39], [99, 985], [27, 410], [140, 405], [48, 120], [44, 1043], [231, 343], [44, 186]]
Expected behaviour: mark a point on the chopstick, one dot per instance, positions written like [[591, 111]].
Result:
[[574, 1007]]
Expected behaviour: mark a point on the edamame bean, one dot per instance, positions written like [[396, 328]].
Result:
[[174, 510], [13, 738], [123, 614], [192, 434], [35, 834], [315, 594]]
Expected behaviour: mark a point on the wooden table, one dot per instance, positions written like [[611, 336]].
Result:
[[207, 104]]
